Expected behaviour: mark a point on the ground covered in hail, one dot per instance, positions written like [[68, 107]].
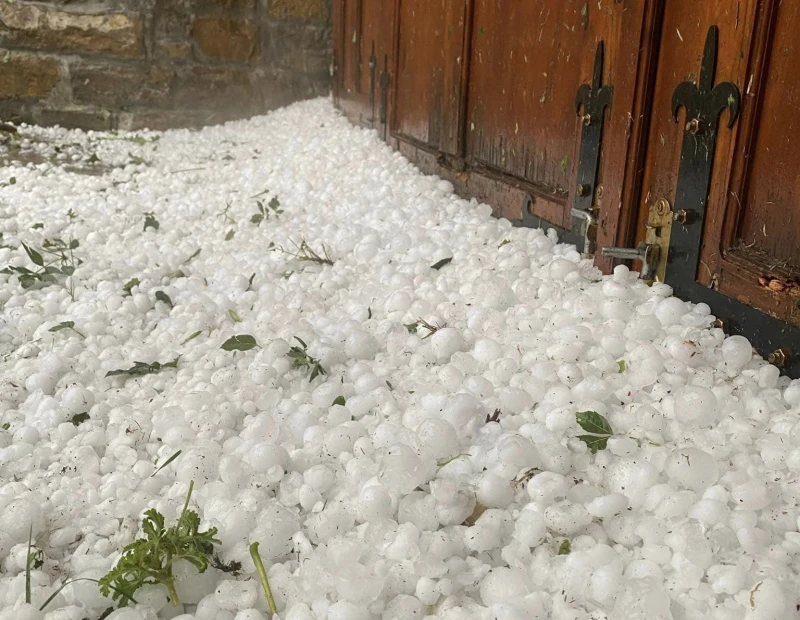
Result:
[[279, 332]]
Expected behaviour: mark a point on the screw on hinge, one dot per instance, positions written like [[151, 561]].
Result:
[[599, 193], [583, 189], [779, 357], [662, 206], [720, 324], [587, 119], [693, 126]]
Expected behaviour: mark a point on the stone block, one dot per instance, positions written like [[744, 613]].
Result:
[[26, 75], [121, 87], [226, 40], [299, 47], [98, 120], [47, 28], [298, 9], [231, 92]]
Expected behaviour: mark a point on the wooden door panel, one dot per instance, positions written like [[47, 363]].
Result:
[[759, 258], [365, 26], [527, 61], [684, 30], [429, 83]]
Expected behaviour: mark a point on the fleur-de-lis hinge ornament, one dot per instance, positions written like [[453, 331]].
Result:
[[704, 103], [590, 104]]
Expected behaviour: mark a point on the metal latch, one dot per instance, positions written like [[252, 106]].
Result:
[[647, 253], [653, 251]]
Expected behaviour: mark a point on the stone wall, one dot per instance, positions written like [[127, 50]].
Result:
[[129, 64]]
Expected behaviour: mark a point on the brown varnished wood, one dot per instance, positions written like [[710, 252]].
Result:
[[429, 79], [528, 60], [365, 22], [684, 29]]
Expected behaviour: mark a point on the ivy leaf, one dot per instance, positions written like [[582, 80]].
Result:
[[162, 296], [79, 418], [34, 256], [445, 261], [593, 422], [150, 221], [242, 342], [595, 442]]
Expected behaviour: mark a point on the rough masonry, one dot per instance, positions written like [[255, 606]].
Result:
[[130, 64]]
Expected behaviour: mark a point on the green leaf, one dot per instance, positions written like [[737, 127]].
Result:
[[194, 255], [74, 244], [6, 426], [274, 203], [229, 235], [257, 219], [339, 401], [585, 10], [129, 286], [140, 369], [622, 365], [234, 315], [35, 257], [162, 296], [595, 442], [192, 337], [304, 345], [565, 547], [79, 418], [564, 161], [412, 328], [445, 261], [37, 226], [150, 560], [150, 221], [593, 422], [62, 326], [504, 242], [243, 342]]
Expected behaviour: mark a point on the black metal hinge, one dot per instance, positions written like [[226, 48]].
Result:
[[385, 84], [591, 102], [373, 65], [593, 99]]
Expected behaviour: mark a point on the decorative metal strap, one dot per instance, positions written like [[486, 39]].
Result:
[[704, 103], [593, 99]]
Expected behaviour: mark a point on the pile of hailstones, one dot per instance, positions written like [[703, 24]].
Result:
[[406, 501]]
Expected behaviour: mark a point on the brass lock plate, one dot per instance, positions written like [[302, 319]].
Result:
[[659, 228]]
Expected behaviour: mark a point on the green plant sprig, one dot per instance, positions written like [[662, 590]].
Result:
[[150, 560], [301, 359], [304, 253]]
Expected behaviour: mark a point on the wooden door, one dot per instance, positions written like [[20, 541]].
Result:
[[746, 261], [430, 76], [528, 60], [363, 44]]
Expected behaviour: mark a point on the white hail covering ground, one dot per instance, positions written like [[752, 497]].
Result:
[[368, 511]]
